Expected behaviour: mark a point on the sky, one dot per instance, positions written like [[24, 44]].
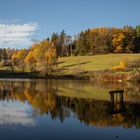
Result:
[[24, 21]]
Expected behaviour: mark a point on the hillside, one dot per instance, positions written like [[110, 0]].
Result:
[[96, 62]]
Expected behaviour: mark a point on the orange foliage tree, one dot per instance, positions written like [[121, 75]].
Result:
[[118, 40], [19, 57], [42, 55]]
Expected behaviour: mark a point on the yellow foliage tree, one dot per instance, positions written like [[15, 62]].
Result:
[[42, 54], [19, 58], [30, 60], [121, 66], [118, 41]]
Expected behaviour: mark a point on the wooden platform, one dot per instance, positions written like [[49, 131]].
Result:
[[116, 91]]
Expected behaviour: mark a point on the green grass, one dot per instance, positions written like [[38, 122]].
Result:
[[96, 62], [78, 67]]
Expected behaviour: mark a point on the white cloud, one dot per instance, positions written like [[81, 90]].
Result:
[[17, 35]]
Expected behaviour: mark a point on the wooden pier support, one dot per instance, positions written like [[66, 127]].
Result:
[[117, 105]]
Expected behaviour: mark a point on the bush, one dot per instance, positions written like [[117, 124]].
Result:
[[121, 67]]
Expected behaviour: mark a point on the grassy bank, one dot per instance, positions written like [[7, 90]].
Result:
[[96, 62], [82, 67]]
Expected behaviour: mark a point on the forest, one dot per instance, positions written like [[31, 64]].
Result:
[[43, 55]]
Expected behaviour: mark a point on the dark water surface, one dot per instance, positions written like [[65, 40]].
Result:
[[67, 110]]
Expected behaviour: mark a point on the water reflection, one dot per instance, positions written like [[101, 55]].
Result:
[[15, 113], [117, 101], [22, 101]]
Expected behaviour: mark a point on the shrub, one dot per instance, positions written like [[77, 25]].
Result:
[[121, 66]]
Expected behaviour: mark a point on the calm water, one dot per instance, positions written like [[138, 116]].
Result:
[[67, 110]]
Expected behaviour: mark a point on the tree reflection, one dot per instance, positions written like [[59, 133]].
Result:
[[42, 96]]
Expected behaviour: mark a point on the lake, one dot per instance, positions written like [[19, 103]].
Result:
[[68, 110]]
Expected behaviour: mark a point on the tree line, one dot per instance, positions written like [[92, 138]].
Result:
[[42, 56], [98, 40]]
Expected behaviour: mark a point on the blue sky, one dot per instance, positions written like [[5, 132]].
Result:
[[43, 17]]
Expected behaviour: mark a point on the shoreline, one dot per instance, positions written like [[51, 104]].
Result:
[[100, 76]]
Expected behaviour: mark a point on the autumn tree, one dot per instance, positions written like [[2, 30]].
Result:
[[19, 58], [30, 60], [42, 55], [118, 40], [100, 40], [12, 62], [4, 57]]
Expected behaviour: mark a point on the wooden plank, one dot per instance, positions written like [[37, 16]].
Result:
[[116, 91]]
